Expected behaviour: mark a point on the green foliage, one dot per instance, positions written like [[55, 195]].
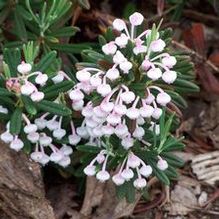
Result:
[[43, 22]]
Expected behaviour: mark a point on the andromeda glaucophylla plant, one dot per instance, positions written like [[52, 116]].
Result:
[[122, 96], [124, 105], [36, 124]]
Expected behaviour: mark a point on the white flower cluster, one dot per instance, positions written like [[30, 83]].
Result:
[[43, 142], [119, 104], [132, 167], [23, 85]]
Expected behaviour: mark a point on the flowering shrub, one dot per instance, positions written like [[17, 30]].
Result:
[[122, 106]]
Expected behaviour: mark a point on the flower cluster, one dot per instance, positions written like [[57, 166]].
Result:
[[21, 84], [42, 142], [132, 168], [44, 132], [118, 104]]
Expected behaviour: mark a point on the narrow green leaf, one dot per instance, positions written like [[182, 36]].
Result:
[[46, 61], [16, 121], [29, 105], [53, 108], [88, 149], [69, 48], [56, 89], [20, 26], [185, 86], [64, 32], [5, 92]]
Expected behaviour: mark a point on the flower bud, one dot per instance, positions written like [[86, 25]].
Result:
[[59, 133], [100, 158], [169, 61], [125, 66], [162, 164], [127, 174], [139, 183], [109, 48], [146, 170], [99, 112], [41, 123], [45, 140], [66, 150], [36, 156], [127, 96], [86, 87], [37, 96], [74, 139], [87, 111], [30, 128], [58, 78], [7, 137], [157, 45], [163, 98], [65, 161], [52, 124], [90, 170], [97, 132], [139, 132], [127, 142], [104, 89], [169, 76], [118, 179], [119, 24], [146, 111], [27, 89], [121, 130], [78, 105], [56, 156], [133, 161], [136, 19], [83, 75], [140, 120], [146, 64], [16, 144], [91, 123], [44, 160], [157, 113], [107, 106], [41, 78], [76, 95], [133, 113], [33, 137], [82, 132], [95, 81], [119, 58], [150, 98], [154, 74], [107, 130], [113, 119], [112, 74], [98, 120], [24, 68], [120, 109], [103, 175], [122, 40]]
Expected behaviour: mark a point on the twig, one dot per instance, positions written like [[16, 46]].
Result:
[[204, 18], [197, 55]]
